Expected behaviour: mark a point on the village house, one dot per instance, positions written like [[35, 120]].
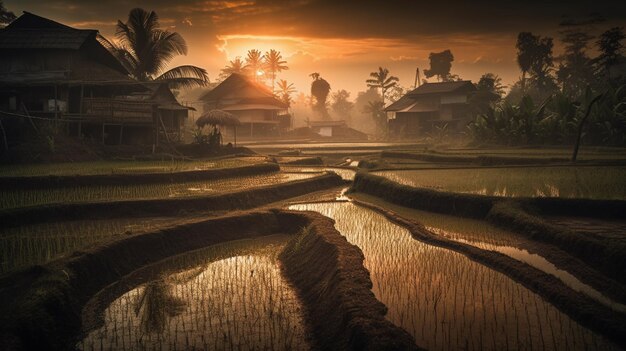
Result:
[[431, 106], [51, 71], [337, 129], [260, 113]]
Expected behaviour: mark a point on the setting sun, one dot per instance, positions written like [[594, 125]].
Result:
[[312, 175]]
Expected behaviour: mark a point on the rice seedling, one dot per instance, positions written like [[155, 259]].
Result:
[[569, 182], [447, 301], [32, 197], [123, 167], [39, 243], [231, 296], [486, 236], [344, 173]]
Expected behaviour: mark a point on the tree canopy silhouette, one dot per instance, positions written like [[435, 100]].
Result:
[[534, 56], [610, 45], [285, 90], [575, 70], [382, 80], [254, 63], [341, 105], [320, 90], [145, 50], [234, 66], [274, 63], [6, 16], [440, 65]]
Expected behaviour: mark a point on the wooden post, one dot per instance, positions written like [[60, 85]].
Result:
[[235, 136]]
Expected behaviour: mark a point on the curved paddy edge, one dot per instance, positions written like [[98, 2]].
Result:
[[514, 214], [48, 299], [335, 287], [167, 207], [580, 307], [29, 182], [607, 257]]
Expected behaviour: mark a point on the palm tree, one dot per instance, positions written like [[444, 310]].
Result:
[[254, 63], [274, 64], [144, 50], [285, 90], [382, 80], [235, 66]]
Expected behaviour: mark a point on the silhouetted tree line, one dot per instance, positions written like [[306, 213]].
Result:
[[549, 102]]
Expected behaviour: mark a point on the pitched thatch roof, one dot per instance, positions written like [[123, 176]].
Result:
[[32, 32], [241, 90], [215, 117], [166, 100], [408, 103], [442, 87]]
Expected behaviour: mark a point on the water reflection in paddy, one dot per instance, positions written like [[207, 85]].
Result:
[[447, 301], [229, 296], [570, 182], [485, 236]]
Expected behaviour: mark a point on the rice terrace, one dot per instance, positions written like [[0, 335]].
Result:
[[312, 175]]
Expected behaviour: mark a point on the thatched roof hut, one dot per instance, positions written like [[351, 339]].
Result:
[[218, 117]]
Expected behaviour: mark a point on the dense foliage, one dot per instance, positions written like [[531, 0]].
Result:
[[556, 120]]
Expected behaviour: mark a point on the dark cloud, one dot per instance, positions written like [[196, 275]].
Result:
[[348, 19]]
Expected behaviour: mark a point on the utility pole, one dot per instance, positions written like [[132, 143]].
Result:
[[417, 78]]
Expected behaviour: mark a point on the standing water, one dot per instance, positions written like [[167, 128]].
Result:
[[447, 301], [232, 297]]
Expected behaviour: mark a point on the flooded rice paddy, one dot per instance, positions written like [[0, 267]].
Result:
[[344, 173], [569, 182], [39, 243], [124, 167], [31, 197], [447, 301], [227, 297], [486, 236]]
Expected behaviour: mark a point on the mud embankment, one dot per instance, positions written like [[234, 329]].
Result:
[[465, 205], [335, 287], [492, 160], [47, 300], [46, 182], [342, 312], [580, 307], [245, 199], [516, 214], [302, 161], [607, 256]]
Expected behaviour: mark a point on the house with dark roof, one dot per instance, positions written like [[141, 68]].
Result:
[[429, 106], [260, 113], [52, 71]]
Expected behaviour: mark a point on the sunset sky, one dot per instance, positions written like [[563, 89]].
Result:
[[344, 40]]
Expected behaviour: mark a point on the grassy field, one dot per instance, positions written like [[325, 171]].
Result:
[[32, 197], [570, 182], [230, 297], [124, 167], [447, 301]]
